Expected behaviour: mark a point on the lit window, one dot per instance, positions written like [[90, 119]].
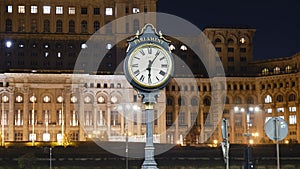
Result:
[[32, 99], [46, 9], [19, 99], [71, 10], [60, 99], [84, 46], [243, 40], [269, 111], [9, 9], [108, 46], [108, 11], [46, 54], [293, 119], [276, 70], [46, 99], [46, 46], [8, 44], [21, 9], [87, 99], [101, 99], [292, 109], [5, 99], [59, 10], [265, 71], [59, 54], [135, 10], [33, 9], [73, 99], [268, 99], [280, 110], [114, 99], [21, 45]]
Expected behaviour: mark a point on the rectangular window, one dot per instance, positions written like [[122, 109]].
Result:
[[21, 9], [243, 59], [33, 9], [230, 59], [59, 10], [32, 117], [9, 9], [46, 9], [269, 111], [100, 118], [194, 118], [4, 117], [108, 11], [88, 118], [96, 11], [219, 49], [169, 118], [84, 10], [74, 118], [114, 118], [280, 110], [293, 119], [243, 50], [19, 118], [18, 136], [292, 109], [46, 116], [135, 10], [181, 118], [230, 49], [71, 10]]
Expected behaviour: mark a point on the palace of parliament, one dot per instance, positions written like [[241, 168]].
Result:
[[44, 96]]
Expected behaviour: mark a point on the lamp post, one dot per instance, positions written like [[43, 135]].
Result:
[[248, 164]]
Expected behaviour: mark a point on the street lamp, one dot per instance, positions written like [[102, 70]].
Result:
[[248, 152]]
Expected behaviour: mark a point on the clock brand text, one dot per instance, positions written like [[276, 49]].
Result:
[[150, 39]]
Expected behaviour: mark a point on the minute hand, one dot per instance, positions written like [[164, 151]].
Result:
[[157, 53]]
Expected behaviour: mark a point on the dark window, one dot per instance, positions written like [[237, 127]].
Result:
[[292, 97], [59, 26], [84, 11], [46, 26], [218, 40], [8, 25], [230, 59], [243, 59], [84, 27], [96, 25], [230, 49], [243, 50], [71, 26], [169, 101], [96, 11], [218, 49]]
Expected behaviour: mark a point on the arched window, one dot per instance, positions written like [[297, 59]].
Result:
[[230, 41], [181, 101], [237, 100], [59, 26], [194, 101], [46, 25], [288, 69], [279, 98], [8, 25], [84, 27], [21, 25], [136, 25], [276, 70], [268, 99], [218, 40], [169, 101], [96, 25], [206, 101], [71, 26], [250, 100], [265, 71], [292, 97]]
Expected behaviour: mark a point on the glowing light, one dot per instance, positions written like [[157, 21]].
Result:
[[8, 44], [251, 141]]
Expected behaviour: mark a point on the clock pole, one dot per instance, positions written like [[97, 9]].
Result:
[[149, 99]]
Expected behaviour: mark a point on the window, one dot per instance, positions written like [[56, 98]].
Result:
[[33, 9], [243, 59], [292, 109], [169, 101], [218, 49], [71, 26], [230, 49], [18, 136], [46, 116], [194, 116], [194, 101], [71, 10], [114, 118], [9, 9], [276, 70], [280, 110], [96, 25], [46, 26], [21, 9], [268, 99], [279, 98], [100, 118], [33, 27], [181, 118], [19, 117], [21, 25], [169, 118], [230, 59], [88, 118], [243, 50], [218, 40], [96, 11], [8, 25], [84, 27], [288, 69], [269, 111], [292, 97], [206, 101], [292, 119], [181, 101], [84, 10], [46, 9], [135, 10], [59, 26], [59, 117], [108, 11], [32, 119], [74, 118], [59, 10], [265, 71], [4, 117]]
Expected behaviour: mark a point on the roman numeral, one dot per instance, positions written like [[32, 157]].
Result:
[[157, 78], [142, 78], [157, 53], [164, 65], [142, 52], [149, 50], [162, 58], [162, 73], [134, 65], [137, 72], [137, 58]]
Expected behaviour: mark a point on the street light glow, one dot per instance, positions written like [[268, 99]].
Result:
[[8, 44]]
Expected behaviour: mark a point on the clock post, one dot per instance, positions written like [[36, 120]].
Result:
[[148, 67]]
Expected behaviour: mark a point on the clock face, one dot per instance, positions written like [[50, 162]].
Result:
[[149, 65]]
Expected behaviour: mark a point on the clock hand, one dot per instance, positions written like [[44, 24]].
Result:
[[149, 69]]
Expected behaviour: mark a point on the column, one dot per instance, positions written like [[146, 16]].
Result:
[[81, 116], [67, 112], [25, 116], [11, 116]]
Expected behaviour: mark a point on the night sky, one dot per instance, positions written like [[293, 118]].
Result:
[[277, 23]]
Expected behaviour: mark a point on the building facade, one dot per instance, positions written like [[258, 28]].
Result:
[[44, 95]]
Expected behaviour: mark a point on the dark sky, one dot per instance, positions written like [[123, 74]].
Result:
[[277, 23]]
